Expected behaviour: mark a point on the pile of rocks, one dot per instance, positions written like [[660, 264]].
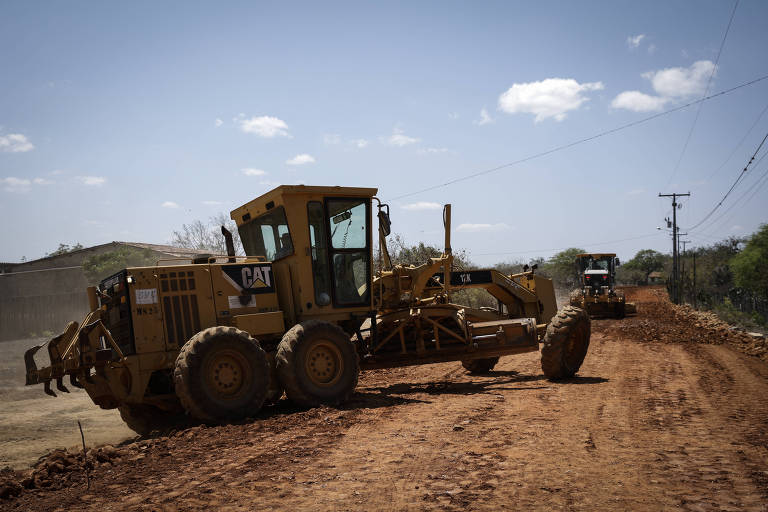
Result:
[[57, 469], [660, 320]]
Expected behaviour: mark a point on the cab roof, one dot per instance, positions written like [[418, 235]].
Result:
[[597, 255], [261, 204]]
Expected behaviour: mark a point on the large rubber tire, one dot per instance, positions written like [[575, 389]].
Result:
[[575, 298], [565, 343], [480, 366], [317, 364], [275, 391], [221, 374], [145, 419]]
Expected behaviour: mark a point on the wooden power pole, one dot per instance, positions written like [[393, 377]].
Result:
[[675, 255]]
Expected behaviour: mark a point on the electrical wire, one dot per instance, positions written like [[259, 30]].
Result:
[[754, 189], [706, 91], [749, 132], [736, 182], [609, 242], [581, 141]]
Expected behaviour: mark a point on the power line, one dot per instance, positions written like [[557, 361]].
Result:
[[754, 189], [749, 132], [596, 244], [738, 179], [706, 91], [581, 141]]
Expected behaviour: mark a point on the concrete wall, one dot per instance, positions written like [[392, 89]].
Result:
[[32, 302], [47, 294]]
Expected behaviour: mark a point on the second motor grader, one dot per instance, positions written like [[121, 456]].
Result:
[[598, 294]]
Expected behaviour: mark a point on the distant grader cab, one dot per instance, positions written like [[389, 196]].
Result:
[[301, 314], [597, 294]]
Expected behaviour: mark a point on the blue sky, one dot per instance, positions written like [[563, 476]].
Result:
[[122, 122]]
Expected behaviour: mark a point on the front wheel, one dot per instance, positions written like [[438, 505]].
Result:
[[317, 364], [145, 419], [565, 343], [480, 366]]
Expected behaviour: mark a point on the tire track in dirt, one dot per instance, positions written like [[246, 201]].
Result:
[[644, 426]]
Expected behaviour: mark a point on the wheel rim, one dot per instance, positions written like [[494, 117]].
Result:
[[227, 372], [324, 363]]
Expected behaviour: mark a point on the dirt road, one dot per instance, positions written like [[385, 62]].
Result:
[[33, 423], [645, 426]]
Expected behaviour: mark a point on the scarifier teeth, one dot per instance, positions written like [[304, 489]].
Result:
[[47, 388], [60, 386]]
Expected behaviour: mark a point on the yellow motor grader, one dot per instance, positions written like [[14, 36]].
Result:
[[301, 314], [597, 294]]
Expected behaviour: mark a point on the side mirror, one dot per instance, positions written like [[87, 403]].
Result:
[[385, 225], [618, 263]]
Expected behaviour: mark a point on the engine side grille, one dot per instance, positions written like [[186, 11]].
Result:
[[180, 309]]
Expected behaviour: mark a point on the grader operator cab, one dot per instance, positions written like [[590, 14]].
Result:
[[597, 294], [301, 314]]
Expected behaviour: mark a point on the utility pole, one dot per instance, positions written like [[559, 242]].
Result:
[[682, 266], [675, 268], [694, 280]]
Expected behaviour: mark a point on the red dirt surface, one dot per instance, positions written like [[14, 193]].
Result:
[[655, 420]]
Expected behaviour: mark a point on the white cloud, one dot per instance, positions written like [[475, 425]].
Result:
[[301, 159], [57, 172], [398, 138], [671, 84], [92, 181], [422, 205], [13, 184], [263, 126], [212, 203], [253, 172], [218, 122], [331, 139], [453, 115], [634, 41], [425, 151], [15, 143], [484, 118], [638, 101], [170, 204], [651, 48], [681, 82], [475, 228], [334, 139], [553, 97]]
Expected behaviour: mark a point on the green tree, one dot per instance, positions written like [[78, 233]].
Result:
[[749, 267], [562, 268], [64, 249], [99, 266], [646, 261]]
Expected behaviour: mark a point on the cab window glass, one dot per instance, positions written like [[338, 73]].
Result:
[[348, 223], [267, 236], [350, 270], [319, 253]]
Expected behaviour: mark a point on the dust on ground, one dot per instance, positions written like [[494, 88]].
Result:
[[33, 423], [648, 424]]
